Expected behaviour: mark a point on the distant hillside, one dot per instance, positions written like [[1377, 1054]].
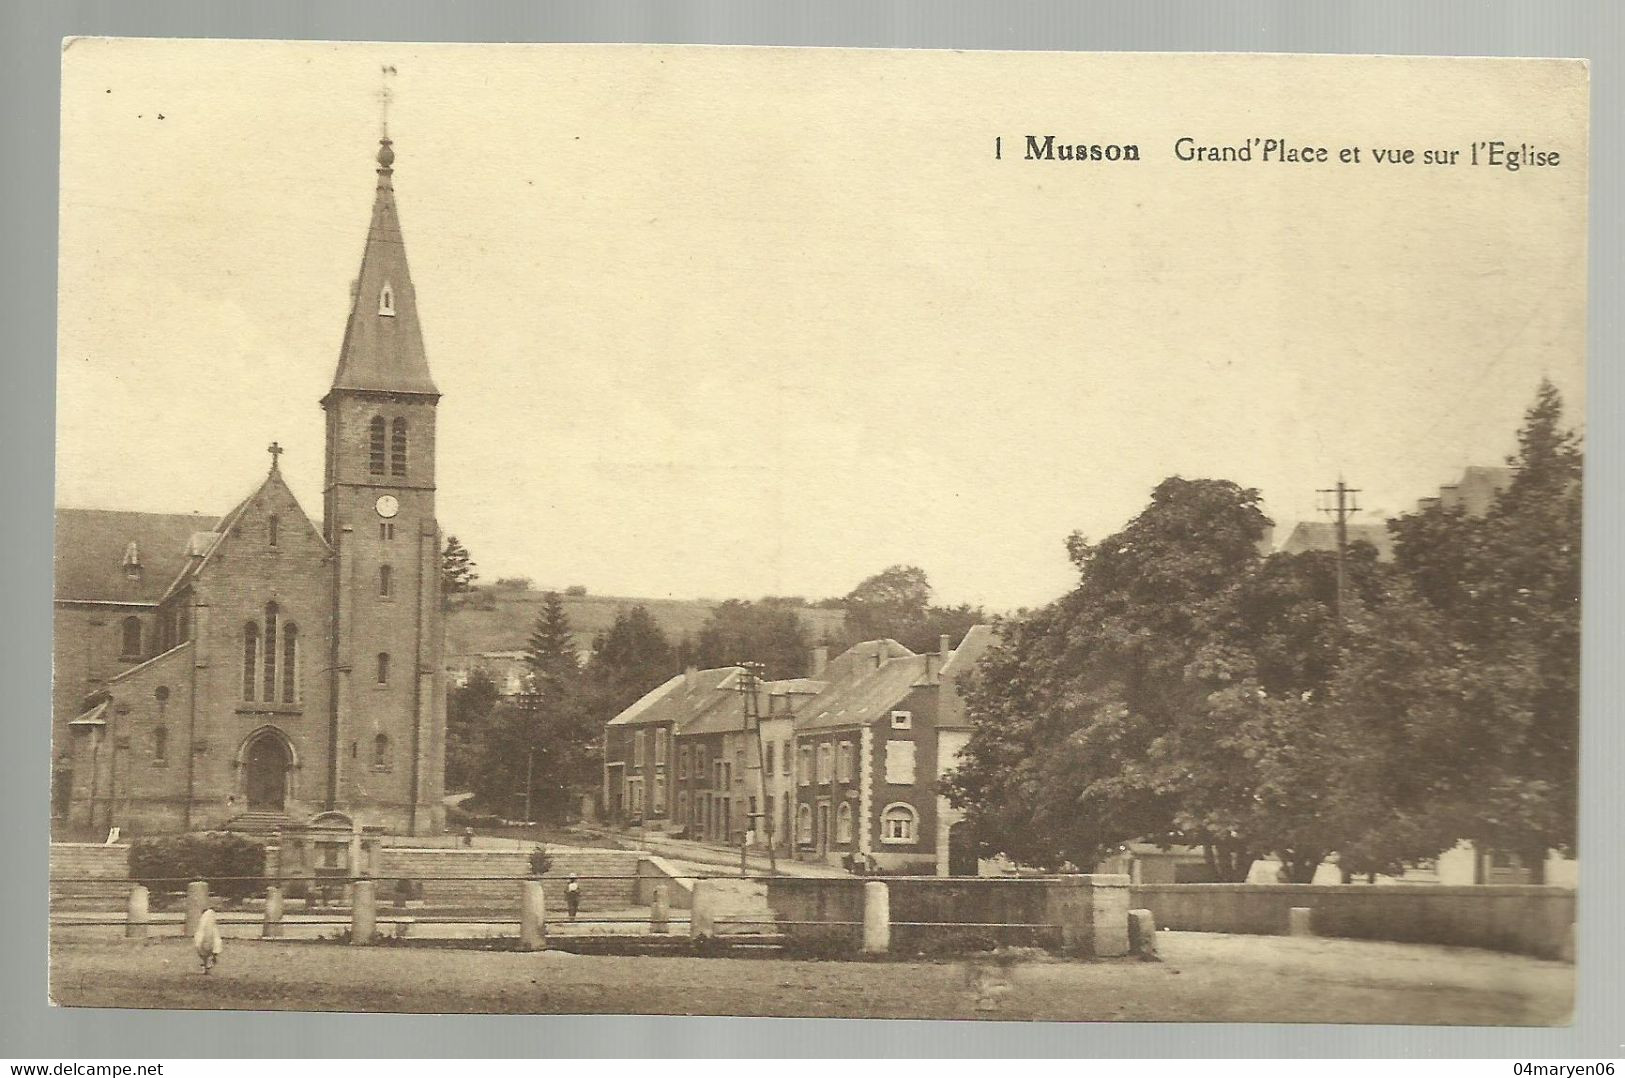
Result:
[[487, 620]]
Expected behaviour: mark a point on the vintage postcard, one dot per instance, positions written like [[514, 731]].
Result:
[[816, 532]]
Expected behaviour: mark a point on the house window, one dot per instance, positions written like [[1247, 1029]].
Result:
[[386, 582], [660, 795], [251, 658], [272, 525], [380, 752], [637, 749], [900, 763], [375, 446], [269, 653], [786, 757], [699, 763], [902, 720], [824, 753], [660, 747], [898, 823], [160, 744], [383, 668], [290, 664], [843, 822], [682, 806], [397, 447], [386, 530], [767, 765], [386, 301], [805, 761], [804, 834], [843, 762], [130, 638], [682, 762]]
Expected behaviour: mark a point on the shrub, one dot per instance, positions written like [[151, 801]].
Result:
[[540, 860], [166, 863]]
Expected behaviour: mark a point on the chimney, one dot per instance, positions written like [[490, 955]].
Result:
[[945, 645], [820, 659]]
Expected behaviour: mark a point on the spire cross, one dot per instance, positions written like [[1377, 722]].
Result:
[[276, 451], [383, 97]]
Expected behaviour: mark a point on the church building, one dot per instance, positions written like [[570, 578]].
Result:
[[262, 667]]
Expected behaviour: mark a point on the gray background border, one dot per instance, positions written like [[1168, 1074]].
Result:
[[30, 35]]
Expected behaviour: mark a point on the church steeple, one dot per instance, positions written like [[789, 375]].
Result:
[[383, 345]]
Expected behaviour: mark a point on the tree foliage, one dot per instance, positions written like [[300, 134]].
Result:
[[1192, 689], [896, 603], [770, 632], [456, 567]]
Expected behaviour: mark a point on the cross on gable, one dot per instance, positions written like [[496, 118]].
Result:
[[276, 451]]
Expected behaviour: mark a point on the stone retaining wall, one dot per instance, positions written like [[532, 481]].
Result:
[[1521, 919]]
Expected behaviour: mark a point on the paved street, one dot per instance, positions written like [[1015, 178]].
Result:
[[1203, 978]]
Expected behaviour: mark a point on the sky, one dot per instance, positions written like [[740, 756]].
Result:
[[731, 322]]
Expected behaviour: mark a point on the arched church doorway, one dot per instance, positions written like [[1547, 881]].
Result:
[[266, 764]]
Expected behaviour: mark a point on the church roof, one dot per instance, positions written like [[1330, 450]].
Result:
[[93, 548], [383, 344]]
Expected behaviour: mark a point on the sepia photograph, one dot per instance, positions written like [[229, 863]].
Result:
[[837, 533]]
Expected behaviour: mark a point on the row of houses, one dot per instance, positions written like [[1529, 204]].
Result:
[[842, 766]]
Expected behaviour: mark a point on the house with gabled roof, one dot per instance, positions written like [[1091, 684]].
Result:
[[871, 752]]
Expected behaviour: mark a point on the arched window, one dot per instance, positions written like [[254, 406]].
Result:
[[383, 668], [160, 744], [375, 446], [380, 751], [397, 447], [386, 300], [269, 695], [290, 664], [843, 822], [804, 825], [271, 527], [251, 658], [898, 823], [386, 582], [130, 638]]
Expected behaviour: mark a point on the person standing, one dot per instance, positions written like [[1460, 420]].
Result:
[[572, 895]]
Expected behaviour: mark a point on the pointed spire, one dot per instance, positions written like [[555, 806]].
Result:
[[383, 345]]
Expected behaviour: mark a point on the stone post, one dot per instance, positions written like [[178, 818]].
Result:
[[532, 916], [136, 919], [272, 928], [1300, 921], [1142, 933], [876, 918], [659, 918], [364, 913], [197, 900], [701, 914], [1091, 912]]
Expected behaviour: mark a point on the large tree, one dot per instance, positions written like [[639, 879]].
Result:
[[456, 567], [1506, 590], [1192, 690], [770, 632], [469, 711], [628, 659], [896, 603]]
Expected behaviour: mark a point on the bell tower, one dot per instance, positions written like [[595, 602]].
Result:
[[387, 732]]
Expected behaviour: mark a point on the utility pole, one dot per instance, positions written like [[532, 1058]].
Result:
[[750, 682], [1340, 510]]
